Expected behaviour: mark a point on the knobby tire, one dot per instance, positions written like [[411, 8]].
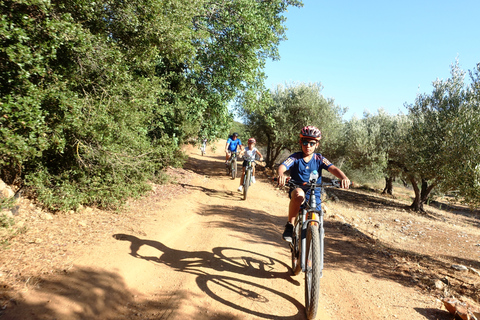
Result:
[[312, 272], [234, 169]]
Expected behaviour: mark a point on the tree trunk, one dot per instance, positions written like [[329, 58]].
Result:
[[269, 158], [421, 196], [388, 186]]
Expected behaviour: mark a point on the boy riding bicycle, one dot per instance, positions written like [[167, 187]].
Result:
[[232, 144], [301, 164], [249, 153]]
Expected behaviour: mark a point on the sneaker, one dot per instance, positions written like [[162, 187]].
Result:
[[240, 189], [288, 233], [253, 179]]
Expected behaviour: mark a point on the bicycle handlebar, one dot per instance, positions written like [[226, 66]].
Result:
[[294, 184]]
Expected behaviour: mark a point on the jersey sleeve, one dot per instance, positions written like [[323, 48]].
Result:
[[290, 161], [325, 163]]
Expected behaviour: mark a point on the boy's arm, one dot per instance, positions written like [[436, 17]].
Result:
[[259, 154], [340, 175]]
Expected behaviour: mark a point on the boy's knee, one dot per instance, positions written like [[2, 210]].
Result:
[[298, 196]]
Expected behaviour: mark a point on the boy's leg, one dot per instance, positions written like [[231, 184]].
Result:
[[243, 176], [240, 187], [296, 199]]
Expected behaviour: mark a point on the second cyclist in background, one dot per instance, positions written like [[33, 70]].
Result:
[[232, 145], [249, 153]]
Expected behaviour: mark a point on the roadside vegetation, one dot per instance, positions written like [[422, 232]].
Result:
[[96, 100]]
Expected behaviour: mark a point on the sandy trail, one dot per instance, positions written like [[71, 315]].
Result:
[[207, 254]]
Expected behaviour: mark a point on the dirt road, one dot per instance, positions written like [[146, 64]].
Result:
[[204, 253]]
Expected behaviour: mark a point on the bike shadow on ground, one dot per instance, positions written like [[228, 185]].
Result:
[[225, 288], [102, 294]]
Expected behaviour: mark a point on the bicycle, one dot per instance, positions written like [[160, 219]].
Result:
[[232, 165], [307, 246], [247, 180]]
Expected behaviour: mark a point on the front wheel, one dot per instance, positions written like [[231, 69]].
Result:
[[312, 271], [228, 168], [234, 169], [246, 183]]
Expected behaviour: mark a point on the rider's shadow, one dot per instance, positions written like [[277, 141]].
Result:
[[253, 264]]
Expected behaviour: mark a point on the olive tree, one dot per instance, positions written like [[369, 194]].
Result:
[[443, 139], [372, 145], [284, 111]]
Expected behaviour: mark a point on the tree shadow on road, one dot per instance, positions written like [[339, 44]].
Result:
[[221, 194], [208, 166], [352, 250], [85, 293]]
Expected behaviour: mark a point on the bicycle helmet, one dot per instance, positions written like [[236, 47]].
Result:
[[235, 134], [252, 140], [310, 132]]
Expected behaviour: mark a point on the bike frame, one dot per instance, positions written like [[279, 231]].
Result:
[[308, 214], [248, 168]]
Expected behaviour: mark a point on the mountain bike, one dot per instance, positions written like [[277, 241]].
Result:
[[232, 165], [247, 180], [307, 247]]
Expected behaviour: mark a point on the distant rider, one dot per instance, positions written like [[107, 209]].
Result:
[[204, 146], [249, 153], [232, 144], [301, 164]]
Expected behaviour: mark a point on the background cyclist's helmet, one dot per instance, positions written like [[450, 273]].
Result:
[[235, 134], [310, 132], [252, 140]]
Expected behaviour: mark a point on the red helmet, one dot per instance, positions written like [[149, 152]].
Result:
[[252, 140], [310, 132]]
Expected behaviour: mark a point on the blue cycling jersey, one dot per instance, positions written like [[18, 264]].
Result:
[[300, 170], [233, 144]]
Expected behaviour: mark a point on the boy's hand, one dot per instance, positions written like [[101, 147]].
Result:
[[346, 183], [282, 180]]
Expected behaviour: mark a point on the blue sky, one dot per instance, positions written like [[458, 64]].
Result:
[[376, 54]]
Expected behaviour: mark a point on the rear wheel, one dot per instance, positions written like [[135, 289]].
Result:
[[295, 249], [312, 272], [246, 183]]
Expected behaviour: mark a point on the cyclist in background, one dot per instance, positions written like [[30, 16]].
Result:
[[301, 164], [249, 153], [203, 148], [232, 144]]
